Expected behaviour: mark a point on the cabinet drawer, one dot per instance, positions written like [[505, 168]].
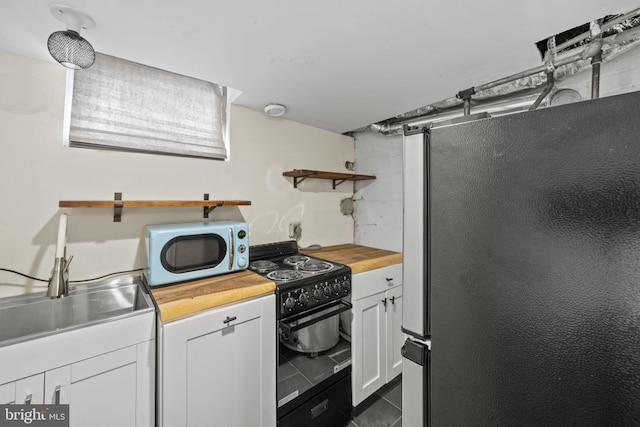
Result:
[[223, 317], [375, 281]]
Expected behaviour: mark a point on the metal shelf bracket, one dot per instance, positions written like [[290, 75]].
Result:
[[117, 207], [298, 179], [337, 182], [208, 209]]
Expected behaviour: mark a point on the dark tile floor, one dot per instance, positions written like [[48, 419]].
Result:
[[385, 411]]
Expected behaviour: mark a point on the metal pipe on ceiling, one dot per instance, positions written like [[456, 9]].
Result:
[[513, 103], [596, 60], [605, 27], [440, 110], [547, 89]]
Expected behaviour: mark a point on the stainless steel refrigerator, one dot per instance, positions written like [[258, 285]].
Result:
[[522, 269]]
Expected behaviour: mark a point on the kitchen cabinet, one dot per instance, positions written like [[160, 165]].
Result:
[[218, 367], [100, 384], [104, 372], [115, 388], [376, 334]]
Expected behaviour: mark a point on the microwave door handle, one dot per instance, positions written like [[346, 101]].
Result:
[[233, 249]]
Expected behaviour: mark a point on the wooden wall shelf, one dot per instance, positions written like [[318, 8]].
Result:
[[118, 204], [338, 178]]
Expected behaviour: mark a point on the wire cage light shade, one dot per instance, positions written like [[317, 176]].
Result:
[[71, 50]]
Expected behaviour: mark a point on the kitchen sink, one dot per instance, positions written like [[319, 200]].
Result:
[[35, 315]]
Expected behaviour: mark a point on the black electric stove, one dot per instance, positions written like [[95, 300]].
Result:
[[313, 386]]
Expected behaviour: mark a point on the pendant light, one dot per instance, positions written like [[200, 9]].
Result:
[[68, 47]]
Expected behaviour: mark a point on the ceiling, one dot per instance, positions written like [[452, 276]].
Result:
[[336, 64]]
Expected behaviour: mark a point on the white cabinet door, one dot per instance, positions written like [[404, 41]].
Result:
[[57, 385], [395, 336], [103, 390], [7, 393], [376, 338], [219, 367], [30, 390], [367, 342]]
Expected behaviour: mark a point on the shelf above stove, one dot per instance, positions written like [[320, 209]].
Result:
[[338, 178]]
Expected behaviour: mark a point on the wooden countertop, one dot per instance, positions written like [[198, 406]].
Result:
[[359, 258], [183, 299]]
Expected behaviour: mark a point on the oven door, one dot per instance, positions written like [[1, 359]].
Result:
[[314, 387], [315, 330]]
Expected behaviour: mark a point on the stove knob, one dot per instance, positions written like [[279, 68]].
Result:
[[346, 285], [327, 290], [336, 288], [289, 303], [303, 299], [317, 294]]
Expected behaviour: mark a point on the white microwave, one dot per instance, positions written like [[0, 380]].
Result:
[[179, 252]]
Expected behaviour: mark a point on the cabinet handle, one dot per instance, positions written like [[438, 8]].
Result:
[[393, 300], [56, 395], [384, 301], [319, 408], [229, 320], [389, 280], [27, 401]]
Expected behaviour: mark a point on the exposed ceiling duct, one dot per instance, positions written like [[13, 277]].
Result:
[[521, 91]]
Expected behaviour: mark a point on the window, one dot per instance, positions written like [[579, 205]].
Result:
[[121, 105]]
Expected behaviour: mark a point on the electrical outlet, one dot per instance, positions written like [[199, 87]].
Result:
[[295, 230]]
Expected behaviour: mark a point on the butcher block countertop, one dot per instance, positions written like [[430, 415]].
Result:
[[187, 298], [183, 299], [359, 258]]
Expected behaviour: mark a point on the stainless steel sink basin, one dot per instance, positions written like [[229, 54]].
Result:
[[35, 315]]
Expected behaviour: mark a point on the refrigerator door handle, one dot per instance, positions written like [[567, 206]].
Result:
[[416, 351]]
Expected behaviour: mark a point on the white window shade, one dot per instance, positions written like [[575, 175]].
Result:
[[122, 105]]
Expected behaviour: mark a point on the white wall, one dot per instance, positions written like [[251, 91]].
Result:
[[37, 171], [378, 203]]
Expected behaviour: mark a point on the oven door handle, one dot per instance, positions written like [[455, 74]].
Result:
[[342, 307]]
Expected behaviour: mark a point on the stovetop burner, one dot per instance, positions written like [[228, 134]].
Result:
[[296, 259], [263, 266], [282, 263], [316, 266], [285, 275]]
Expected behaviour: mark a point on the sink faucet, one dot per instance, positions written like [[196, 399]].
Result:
[[59, 280]]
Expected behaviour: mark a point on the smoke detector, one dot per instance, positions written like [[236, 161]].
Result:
[[275, 110]]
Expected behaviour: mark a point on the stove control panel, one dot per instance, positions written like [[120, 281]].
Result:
[[305, 297]]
